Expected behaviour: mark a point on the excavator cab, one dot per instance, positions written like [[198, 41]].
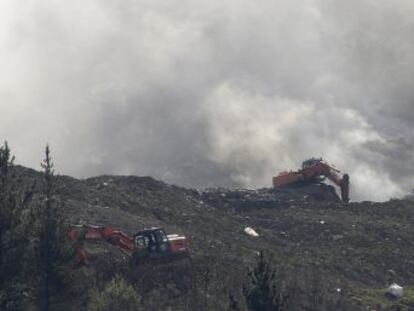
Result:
[[311, 162], [151, 244]]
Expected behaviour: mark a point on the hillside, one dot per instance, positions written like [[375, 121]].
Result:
[[357, 247]]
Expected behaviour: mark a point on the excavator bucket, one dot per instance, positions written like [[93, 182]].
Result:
[[345, 188]]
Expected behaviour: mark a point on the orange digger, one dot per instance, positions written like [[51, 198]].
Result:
[[314, 171], [145, 246]]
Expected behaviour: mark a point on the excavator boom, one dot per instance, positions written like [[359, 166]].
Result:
[[98, 233]]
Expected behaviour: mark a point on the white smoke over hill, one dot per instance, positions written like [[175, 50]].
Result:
[[213, 93]]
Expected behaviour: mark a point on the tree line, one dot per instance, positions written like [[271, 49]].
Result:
[[33, 247]]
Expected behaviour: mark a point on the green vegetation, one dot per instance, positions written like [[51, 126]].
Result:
[[265, 292], [34, 253], [117, 295], [15, 228], [54, 252]]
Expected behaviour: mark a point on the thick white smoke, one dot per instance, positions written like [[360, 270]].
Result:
[[217, 93]]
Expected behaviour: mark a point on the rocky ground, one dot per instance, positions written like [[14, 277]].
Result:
[[359, 247]]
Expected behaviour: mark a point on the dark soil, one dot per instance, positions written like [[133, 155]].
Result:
[[354, 244]]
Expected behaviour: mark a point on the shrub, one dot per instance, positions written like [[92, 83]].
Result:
[[265, 292], [117, 295]]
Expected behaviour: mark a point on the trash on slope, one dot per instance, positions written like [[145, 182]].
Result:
[[394, 291], [250, 231]]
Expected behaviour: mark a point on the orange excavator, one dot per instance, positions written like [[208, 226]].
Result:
[[147, 245], [314, 171]]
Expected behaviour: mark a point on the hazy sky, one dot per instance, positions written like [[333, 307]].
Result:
[[212, 93]]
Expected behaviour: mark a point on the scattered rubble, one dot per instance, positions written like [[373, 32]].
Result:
[[394, 291], [241, 199], [250, 231], [337, 237], [351, 243]]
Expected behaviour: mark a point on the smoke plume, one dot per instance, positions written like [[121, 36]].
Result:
[[212, 93]]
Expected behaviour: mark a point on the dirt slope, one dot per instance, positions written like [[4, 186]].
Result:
[[354, 244]]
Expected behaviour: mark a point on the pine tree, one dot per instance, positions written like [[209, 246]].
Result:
[[263, 293], [53, 252], [49, 226], [15, 225], [7, 201]]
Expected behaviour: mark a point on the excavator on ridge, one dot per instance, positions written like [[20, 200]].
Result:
[[314, 170]]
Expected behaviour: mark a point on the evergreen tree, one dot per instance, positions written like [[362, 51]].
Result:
[[6, 202], [264, 293], [53, 251], [15, 225]]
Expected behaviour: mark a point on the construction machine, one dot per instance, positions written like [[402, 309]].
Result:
[[314, 170], [145, 246]]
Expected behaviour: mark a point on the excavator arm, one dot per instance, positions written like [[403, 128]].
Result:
[[79, 234], [324, 169], [342, 183]]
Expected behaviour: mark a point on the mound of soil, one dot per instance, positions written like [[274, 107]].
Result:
[[353, 244]]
